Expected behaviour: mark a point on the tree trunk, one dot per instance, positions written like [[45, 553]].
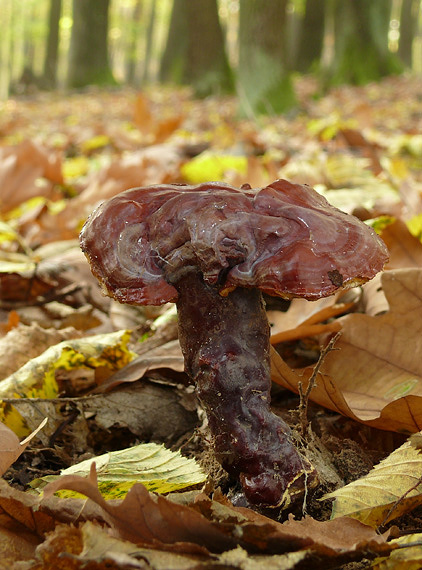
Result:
[[312, 36], [408, 26], [171, 68], [149, 42], [264, 84], [5, 49], [361, 42], [131, 64], [88, 54], [51, 57], [195, 52]]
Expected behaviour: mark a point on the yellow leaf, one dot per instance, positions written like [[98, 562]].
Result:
[[156, 467], [37, 378], [390, 489], [7, 233], [95, 143], [75, 167], [407, 557], [208, 166], [380, 223], [415, 226]]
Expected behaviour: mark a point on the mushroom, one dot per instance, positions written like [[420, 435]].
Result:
[[213, 249]]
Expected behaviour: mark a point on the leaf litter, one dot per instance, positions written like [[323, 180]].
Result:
[[56, 166]]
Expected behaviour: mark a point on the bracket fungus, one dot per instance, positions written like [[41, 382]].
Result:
[[213, 249]]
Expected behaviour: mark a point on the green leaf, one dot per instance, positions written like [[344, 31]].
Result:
[[156, 467]]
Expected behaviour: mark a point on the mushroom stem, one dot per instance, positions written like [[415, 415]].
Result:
[[226, 346]]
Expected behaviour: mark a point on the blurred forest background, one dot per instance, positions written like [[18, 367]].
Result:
[[250, 47]]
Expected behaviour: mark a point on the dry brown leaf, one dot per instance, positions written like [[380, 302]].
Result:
[[405, 250], [376, 375], [299, 310], [373, 301], [10, 446], [20, 166], [16, 547], [147, 519], [25, 342], [218, 526], [88, 546], [168, 355], [152, 165]]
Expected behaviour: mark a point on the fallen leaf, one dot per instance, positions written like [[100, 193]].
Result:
[[210, 166], [157, 468], [391, 489], [408, 555], [23, 343], [10, 446], [217, 526], [404, 249], [168, 355], [88, 546], [37, 378], [20, 166], [16, 547], [373, 376]]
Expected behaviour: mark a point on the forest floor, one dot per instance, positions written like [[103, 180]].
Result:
[[110, 378]]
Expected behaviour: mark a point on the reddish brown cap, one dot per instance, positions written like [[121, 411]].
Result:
[[285, 239]]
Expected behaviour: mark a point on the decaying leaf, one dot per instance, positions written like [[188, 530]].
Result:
[[216, 526], [157, 468], [20, 166], [26, 342], [37, 378], [390, 489], [86, 545], [408, 555], [374, 377], [10, 446], [405, 249]]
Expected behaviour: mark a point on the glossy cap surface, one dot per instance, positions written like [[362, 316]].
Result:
[[285, 239]]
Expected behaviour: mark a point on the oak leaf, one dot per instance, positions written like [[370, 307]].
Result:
[[375, 376]]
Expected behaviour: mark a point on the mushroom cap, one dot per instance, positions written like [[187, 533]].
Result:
[[284, 239]]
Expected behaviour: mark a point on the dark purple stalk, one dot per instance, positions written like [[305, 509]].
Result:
[[225, 342]]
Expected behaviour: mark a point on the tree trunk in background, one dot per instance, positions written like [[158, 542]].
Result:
[[131, 65], [5, 49], [264, 84], [51, 57], [172, 61], [408, 26], [311, 36], [88, 54], [149, 42], [361, 42], [195, 51]]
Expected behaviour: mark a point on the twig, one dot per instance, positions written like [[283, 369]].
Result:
[[396, 504], [304, 395]]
